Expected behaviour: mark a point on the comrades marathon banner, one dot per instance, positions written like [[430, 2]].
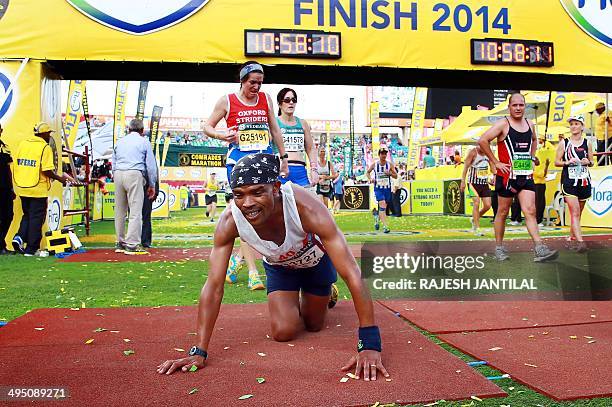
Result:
[[201, 160], [154, 130], [404, 34]]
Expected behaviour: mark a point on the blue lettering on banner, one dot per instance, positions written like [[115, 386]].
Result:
[[379, 14], [334, 12]]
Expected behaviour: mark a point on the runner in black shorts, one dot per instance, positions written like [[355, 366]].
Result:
[[516, 143], [476, 168], [575, 156]]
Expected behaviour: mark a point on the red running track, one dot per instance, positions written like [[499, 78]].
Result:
[[305, 374], [565, 362], [458, 316]]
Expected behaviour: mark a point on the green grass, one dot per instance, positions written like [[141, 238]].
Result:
[[29, 283]]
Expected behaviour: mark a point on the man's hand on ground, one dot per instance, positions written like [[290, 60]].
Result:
[[170, 366], [368, 361]]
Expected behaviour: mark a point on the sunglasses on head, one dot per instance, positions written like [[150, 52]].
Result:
[[289, 100]]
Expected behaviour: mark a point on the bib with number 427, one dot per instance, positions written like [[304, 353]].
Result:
[[522, 164], [253, 136]]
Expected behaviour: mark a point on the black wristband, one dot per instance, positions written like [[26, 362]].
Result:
[[369, 339]]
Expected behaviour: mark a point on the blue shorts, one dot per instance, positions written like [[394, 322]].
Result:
[[297, 175], [382, 194], [315, 280]]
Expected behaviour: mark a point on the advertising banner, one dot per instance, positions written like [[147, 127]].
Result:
[[416, 34], [174, 199], [427, 197], [202, 160], [119, 112], [183, 174], [598, 209], [559, 109], [73, 110], [416, 128], [142, 98], [453, 198], [108, 205], [356, 197], [374, 115], [161, 206], [154, 130]]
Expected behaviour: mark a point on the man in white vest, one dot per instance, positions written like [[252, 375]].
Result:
[[302, 249]]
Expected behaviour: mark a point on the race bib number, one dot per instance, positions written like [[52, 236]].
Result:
[[522, 164], [294, 142], [578, 172], [383, 182], [253, 137], [305, 258], [482, 173]]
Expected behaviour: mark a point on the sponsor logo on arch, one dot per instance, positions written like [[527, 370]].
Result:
[[593, 17], [138, 17]]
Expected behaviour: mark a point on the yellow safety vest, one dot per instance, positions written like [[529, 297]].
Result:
[[33, 157]]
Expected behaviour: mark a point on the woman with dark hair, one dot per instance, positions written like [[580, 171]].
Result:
[[251, 128], [297, 140]]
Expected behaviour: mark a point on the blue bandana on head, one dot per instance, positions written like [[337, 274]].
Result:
[[260, 168], [247, 69]]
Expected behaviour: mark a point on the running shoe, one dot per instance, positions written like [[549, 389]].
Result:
[[501, 253], [255, 282], [233, 268], [333, 298], [135, 250], [119, 248], [543, 253], [18, 244], [386, 229], [477, 232], [514, 223]]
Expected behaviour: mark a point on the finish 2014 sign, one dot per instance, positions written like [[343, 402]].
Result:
[[138, 17]]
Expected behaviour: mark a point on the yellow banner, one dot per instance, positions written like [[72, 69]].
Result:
[[201, 160], [374, 116], [73, 110], [419, 33], [161, 206], [559, 110], [598, 209], [427, 196], [175, 199], [416, 128], [119, 116], [162, 163]]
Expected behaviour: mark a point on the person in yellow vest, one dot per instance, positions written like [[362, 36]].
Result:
[[546, 157], [33, 172], [601, 120], [212, 186], [184, 196]]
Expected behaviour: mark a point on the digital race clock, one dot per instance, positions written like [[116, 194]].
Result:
[[494, 51], [292, 43]]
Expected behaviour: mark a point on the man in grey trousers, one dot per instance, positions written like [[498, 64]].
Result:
[[133, 167]]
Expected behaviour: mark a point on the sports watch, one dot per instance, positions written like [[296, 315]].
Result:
[[199, 352], [284, 156]]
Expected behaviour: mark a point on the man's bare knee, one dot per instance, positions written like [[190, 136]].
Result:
[[283, 332]]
